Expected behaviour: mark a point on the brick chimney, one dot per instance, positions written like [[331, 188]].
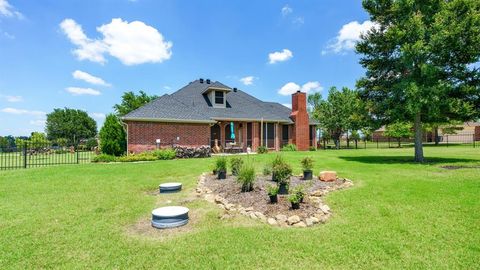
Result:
[[299, 115]]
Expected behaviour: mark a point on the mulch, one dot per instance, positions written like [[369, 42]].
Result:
[[258, 198]]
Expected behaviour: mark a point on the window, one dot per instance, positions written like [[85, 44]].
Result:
[[218, 97]]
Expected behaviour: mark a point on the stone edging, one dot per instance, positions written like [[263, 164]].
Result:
[[323, 210]]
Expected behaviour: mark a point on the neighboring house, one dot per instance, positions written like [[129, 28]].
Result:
[[203, 111]]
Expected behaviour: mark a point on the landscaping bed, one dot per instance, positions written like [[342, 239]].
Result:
[[256, 204]]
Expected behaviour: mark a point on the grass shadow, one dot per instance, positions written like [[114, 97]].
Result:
[[404, 160]]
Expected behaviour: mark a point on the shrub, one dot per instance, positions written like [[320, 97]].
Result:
[[164, 154], [278, 160], [267, 170], [262, 149], [272, 190], [145, 156], [91, 143], [307, 163], [236, 163], [289, 147], [104, 158], [312, 148], [221, 164], [293, 198], [246, 176], [300, 191], [282, 173], [112, 136]]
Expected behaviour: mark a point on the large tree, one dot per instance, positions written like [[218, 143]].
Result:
[[131, 101], [420, 60], [339, 113], [70, 124]]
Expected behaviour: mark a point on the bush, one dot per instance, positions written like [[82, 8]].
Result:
[[104, 158], [145, 156], [307, 163], [246, 176], [262, 149], [272, 190], [289, 147], [91, 143], [282, 173], [236, 163], [293, 198], [112, 137], [164, 154], [221, 164], [278, 160], [312, 148], [300, 191]]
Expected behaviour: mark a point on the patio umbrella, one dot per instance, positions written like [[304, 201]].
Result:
[[232, 132]]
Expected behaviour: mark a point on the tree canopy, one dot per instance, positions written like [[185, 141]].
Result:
[[420, 62], [70, 124], [131, 101], [340, 112]]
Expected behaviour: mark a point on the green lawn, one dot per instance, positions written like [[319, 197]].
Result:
[[398, 215]]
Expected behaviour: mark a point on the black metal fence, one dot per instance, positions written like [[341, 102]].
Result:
[[38, 154], [467, 140]]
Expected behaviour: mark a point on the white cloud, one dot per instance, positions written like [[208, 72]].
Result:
[[76, 91], [14, 98], [99, 116], [23, 112], [288, 105], [39, 122], [348, 36], [280, 56], [247, 80], [291, 87], [8, 10], [286, 10], [132, 43], [84, 76], [298, 21]]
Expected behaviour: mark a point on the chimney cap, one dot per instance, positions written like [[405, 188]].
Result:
[[208, 81], [201, 80], [298, 91], [234, 89]]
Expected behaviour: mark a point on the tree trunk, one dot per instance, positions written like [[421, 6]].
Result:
[[436, 135], [348, 141], [418, 138], [399, 142]]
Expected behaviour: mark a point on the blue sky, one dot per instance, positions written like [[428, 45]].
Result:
[[85, 54]]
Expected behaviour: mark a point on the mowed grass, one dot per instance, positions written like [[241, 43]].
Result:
[[399, 215]]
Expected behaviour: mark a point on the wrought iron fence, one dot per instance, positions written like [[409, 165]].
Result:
[[37, 154], [467, 140]]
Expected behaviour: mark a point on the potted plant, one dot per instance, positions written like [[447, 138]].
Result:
[[246, 176], [278, 160], [295, 200], [236, 163], [307, 165], [272, 192], [300, 192], [282, 173], [221, 167]]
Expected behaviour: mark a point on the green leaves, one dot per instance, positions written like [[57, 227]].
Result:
[[112, 137], [131, 101], [70, 124]]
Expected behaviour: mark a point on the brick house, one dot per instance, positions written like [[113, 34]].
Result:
[[205, 112]]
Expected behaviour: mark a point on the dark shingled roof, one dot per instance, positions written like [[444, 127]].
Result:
[[189, 105]]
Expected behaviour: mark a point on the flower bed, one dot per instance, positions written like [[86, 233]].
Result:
[[256, 204]]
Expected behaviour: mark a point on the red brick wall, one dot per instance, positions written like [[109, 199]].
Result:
[[142, 136], [477, 133], [301, 131]]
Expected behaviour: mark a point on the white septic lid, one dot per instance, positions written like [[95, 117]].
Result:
[[167, 185], [169, 211]]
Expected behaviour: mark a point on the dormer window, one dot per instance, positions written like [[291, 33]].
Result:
[[219, 97]]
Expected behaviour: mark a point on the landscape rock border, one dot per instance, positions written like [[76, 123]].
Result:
[[321, 216]]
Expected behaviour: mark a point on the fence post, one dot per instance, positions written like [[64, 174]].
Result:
[[77, 153], [473, 137], [377, 143], [24, 155], [447, 140]]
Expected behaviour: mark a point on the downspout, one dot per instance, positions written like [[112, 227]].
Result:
[[125, 128]]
